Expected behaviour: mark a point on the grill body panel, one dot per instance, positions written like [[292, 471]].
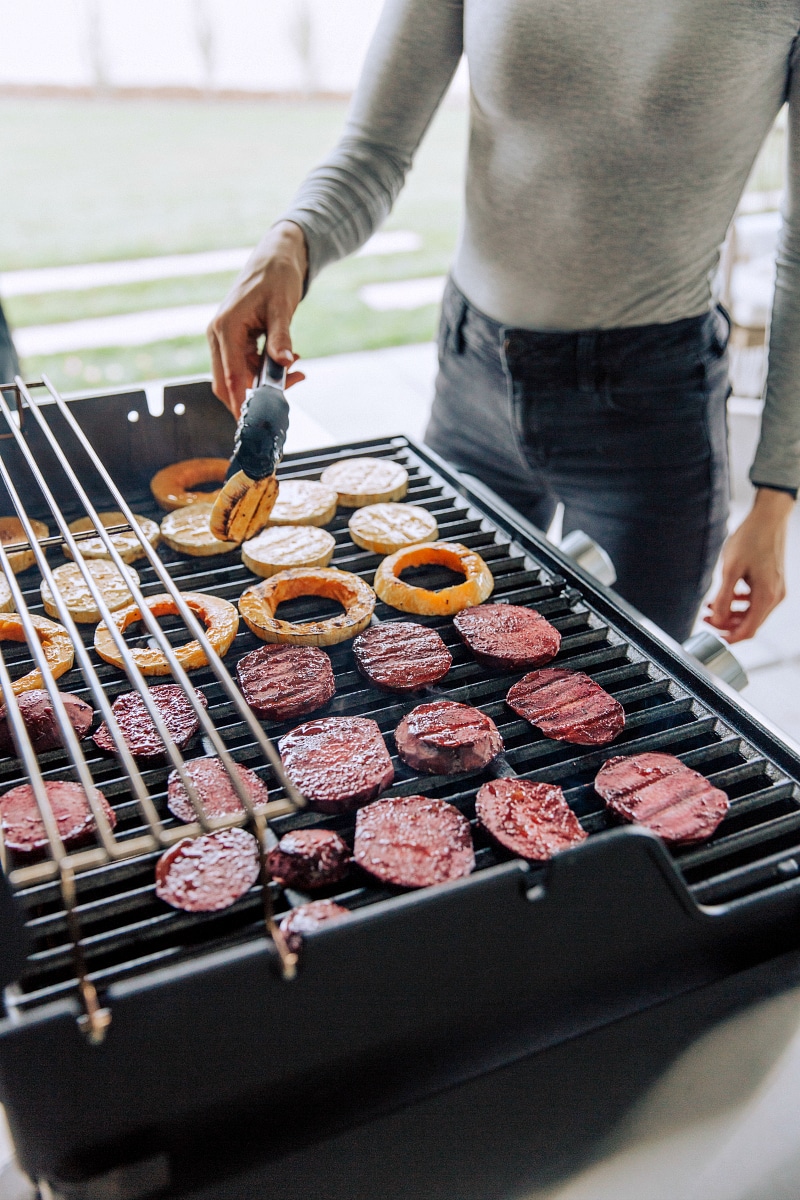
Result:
[[415, 992]]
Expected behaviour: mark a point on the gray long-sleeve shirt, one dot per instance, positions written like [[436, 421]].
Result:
[[609, 146]]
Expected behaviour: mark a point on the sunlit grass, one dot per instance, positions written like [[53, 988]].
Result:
[[110, 179], [128, 178]]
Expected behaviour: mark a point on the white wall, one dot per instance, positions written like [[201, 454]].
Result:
[[253, 45]]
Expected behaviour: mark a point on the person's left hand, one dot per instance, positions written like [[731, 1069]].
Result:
[[753, 581]]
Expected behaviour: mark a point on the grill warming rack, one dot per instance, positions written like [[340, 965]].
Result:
[[660, 715], [60, 863]]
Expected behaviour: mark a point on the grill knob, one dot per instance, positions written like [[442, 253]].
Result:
[[586, 552], [716, 657]]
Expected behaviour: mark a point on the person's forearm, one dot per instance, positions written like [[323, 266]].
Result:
[[411, 60]]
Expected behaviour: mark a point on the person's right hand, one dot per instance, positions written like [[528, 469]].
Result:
[[262, 301]]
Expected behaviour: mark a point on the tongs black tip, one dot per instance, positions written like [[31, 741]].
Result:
[[263, 424]]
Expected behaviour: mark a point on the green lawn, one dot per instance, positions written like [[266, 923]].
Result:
[[88, 180], [108, 179]]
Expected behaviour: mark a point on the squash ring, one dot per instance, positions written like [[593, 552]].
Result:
[[56, 643], [258, 604], [172, 485], [477, 586], [219, 617]]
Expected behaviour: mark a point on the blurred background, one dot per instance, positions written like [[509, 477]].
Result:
[[177, 133], [146, 147]]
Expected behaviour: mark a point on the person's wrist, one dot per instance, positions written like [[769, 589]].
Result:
[[773, 504], [286, 237]]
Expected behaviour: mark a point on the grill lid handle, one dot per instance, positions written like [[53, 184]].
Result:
[[717, 657], [263, 424], [590, 555]]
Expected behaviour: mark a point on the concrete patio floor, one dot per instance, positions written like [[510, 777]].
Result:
[[380, 392]]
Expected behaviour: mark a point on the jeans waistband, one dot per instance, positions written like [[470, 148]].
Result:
[[610, 348]]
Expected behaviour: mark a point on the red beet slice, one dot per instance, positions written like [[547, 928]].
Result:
[[413, 841], [214, 788], [663, 794], [529, 819], [309, 858], [337, 762], [40, 720], [402, 656], [508, 636], [23, 828], [139, 731], [567, 706], [444, 738], [208, 873], [308, 917], [282, 682]]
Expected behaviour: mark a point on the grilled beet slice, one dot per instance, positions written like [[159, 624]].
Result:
[[23, 828], [663, 794], [402, 656], [300, 921], [507, 636], [413, 841], [40, 720], [337, 762], [138, 730], [309, 858], [444, 737], [282, 682], [208, 873], [529, 819], [567, 706], [214, 788]]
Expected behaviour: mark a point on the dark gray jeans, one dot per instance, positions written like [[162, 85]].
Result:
[[626, 426]]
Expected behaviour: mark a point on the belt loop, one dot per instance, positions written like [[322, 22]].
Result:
[[459, 319]]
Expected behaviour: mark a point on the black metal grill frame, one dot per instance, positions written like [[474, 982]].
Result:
[[746, 872]]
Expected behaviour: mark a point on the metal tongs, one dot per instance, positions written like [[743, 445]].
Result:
[[263, 424], [243, 506]]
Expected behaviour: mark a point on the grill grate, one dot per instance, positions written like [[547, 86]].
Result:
[[125, 931]]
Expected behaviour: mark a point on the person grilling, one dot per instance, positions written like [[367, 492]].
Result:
[[582, 356]]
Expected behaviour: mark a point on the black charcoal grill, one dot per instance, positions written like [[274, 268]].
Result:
[[145, 1052]]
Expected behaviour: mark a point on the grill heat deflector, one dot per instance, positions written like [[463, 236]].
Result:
[[608, 928]]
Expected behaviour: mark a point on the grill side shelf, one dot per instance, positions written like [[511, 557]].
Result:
[[419, 993]]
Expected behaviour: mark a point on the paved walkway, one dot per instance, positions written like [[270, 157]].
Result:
[[380, 392]]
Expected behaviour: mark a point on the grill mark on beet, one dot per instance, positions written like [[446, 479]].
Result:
[[23, 827], [529, 819], [214, 788], [508, 636], [337, 762], [445, 737], [283, 682], [663, 794], [413, 841], [137, 728], [208, 873], [309, 858], [567, 706], [37, 712], [402, 656]]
